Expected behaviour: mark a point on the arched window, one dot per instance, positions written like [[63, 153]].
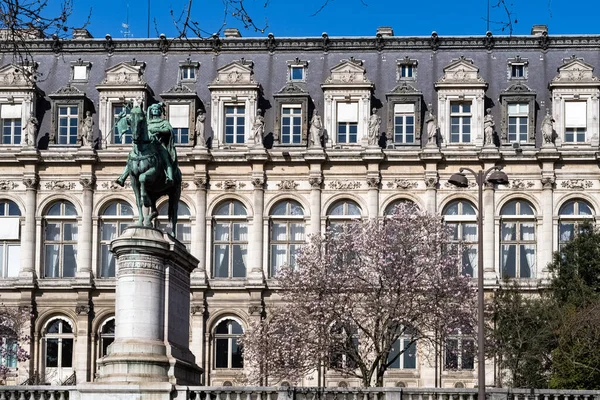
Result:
[[10, 243], [571, 217], [517, 239], [58, 349], [228, 353], [389, 210], [460, 215], [106, 336], [287, 233], [184, 225], [230, 240], [60, 240], [115, 217], [342, 213]]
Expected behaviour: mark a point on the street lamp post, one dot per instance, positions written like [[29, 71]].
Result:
[[460, 180]]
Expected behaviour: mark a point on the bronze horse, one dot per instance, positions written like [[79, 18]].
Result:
[[147, 169]]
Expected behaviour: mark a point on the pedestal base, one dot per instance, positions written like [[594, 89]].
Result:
[[130, 391]]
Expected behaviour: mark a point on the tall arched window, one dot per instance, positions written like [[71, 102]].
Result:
[[287, 233], [460, 215], [60, 240], [184, 225], [106, 336], [571, 216], [228, 353], [517, 239], [115, 217], [342, 213], [58, 350], [389, 210], [10, 243], [230, 240]]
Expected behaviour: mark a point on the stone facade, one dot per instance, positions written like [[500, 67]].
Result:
[[61, 207]]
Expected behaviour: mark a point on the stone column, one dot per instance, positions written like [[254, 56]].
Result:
[[315, 204], [84, 246], [199, 275], [545, 234], [489, 238], [431, 193], [28, 242], [255, 235], [373, 195]]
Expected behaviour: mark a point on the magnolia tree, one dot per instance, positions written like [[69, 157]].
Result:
[[356, 291], [13, 322]]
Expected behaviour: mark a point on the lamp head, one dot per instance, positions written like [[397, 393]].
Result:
[[459, 179], [498, 178]]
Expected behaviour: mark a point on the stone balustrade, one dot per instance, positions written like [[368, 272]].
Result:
[[38, 392]]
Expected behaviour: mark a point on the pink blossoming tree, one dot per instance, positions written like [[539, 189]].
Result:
[[354, 292], [13, 320]]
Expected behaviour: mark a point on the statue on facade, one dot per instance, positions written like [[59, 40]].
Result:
[[548, 128], [30, 132], [258, 128], [199, 128], [488, 128], [431, 126], [316, 130], [374, 125], [152, 162], [86, 131]]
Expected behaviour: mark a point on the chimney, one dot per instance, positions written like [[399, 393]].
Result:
[[81, 33], [385, 31], [232, 33], [539, 30]]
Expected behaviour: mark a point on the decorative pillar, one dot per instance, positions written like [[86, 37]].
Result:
[[255, 245], [199, 242], [431, 193], [545, 239], [315, 204], [373, 195], [28, 242], [84, 246], [488, 215]]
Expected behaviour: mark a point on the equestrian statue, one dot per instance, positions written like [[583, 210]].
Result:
[[152, 163]]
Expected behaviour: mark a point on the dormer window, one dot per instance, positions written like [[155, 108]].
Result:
[[517, 68], [297, 70], [407, 69], [188, 71], [80, 71]]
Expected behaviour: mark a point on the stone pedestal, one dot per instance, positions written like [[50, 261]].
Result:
[[152, 320]]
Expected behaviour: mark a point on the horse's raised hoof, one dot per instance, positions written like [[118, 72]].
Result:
[[120, 182]]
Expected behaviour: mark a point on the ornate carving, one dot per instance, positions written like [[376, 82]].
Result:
[[288, 185], [7, 185], [109, 45], [69, 90], [179, 89], [201, 182], [258, 182], [198, 310], [488, 40], [576, 184], [113, 185], [255, 310], [31, 183], [548, 182], [373, 182], [127, 264], [344, 185], [230, 184], [315, 182], [402, 184], [520, 184], [326, 41], [83, 309], [88, 183], [434, 41], [271, 43], [379, 42], [431, 183], [59, 185], [163, 43], [472, 185], [544, 41]]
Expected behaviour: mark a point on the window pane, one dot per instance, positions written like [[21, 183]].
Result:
[[222, 232], [70, 261], [53, 232], [51, 261], [52, 353], [239, 261], [508, 258], [67, 353], [410, 355], [237, 360], [394, 353], [221, 261], [109, 231], [278, 232], [451, 361], [13, 260], [70, 231], [108, 262], [221, 349], [468, 354]]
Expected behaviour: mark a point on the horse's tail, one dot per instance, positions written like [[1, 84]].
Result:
[[174, 198]]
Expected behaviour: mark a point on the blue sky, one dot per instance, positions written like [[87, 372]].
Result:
[[344, 17]]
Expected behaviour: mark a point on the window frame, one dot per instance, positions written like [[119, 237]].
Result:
[[344, 219], [231, 338], [121, 221], [576, 219], [461, 115], [231, 220], [292, 117], [406, 64], [62, 219], [184, 221], [296, 64], [460, 219], [461, 339], [104, 337], [71, 140], [404, 94], [518, 93], [519, 115], [288, 219], [519, 219], [178, 131], [12, 212], [517, 61], [236, 115], [575, 131], [12, 129]]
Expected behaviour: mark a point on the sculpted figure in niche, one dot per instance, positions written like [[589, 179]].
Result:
[[258, 128], [316, 129], [86, 130], [30, 132], [199, 128], [548, 128], [488, 127], [374, 125], [431, 126]]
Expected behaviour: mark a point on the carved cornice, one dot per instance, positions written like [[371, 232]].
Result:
[[59, 185], [288, 185], [112, 185], [7, 185], [67, 91], [520, 184], [344, 185], [402, 184], [230, 184], [580, 184]]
